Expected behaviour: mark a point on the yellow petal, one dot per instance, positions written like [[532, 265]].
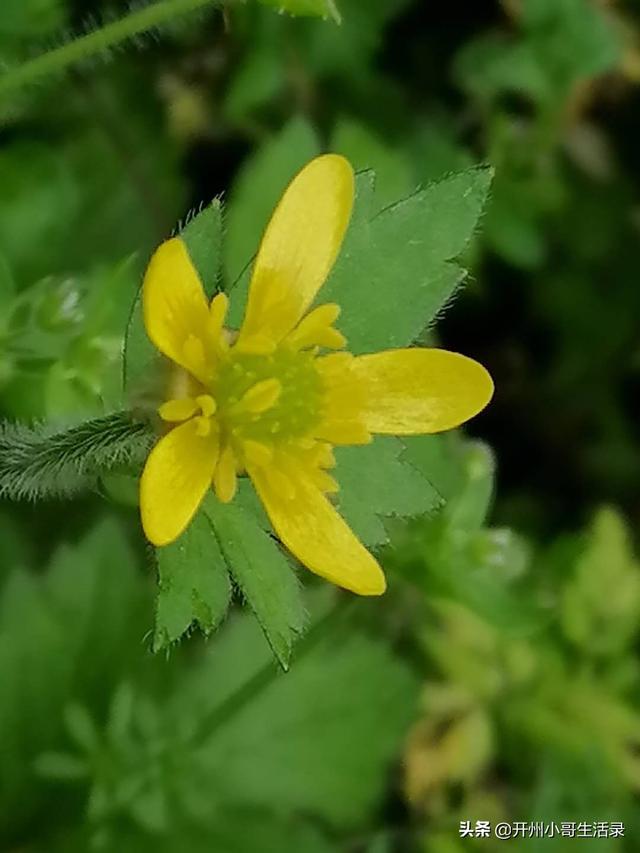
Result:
[[174, 306], [175, 480], [256, 452], [311, 528], [299, 247], [413, 391], [343, 432]]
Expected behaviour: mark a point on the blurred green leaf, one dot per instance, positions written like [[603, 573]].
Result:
[[67, 636], [315, 8], [40, 199], [491, 64], [258, 79], [81, 728], [29, 18], [61, 766], [573, 39], [319, 739], [601, 603], [7, 289], [560, 43], [347, 51], [468, 512], [99, 575], [236, 830]]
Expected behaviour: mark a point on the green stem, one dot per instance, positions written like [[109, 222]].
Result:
[[266, 675], [105, 38]]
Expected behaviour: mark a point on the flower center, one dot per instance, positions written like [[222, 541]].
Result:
[[272, 399], [263, 405]]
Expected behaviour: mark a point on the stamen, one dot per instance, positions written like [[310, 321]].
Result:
[[262, 397], [175, 411], [225, 480], [218, 311], [203, 427], [316, 329], [330, 338], [207, 405], [257, 344], [323, 315], [333, 364], [325, 482], [324, 456]]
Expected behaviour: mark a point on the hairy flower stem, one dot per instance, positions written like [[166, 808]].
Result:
[[105, 38], [37, 463], [247, 692]]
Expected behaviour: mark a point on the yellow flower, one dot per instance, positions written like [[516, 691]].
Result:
[[270, 401]]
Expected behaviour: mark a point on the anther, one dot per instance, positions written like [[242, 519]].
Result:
[[261, 397], [225, 480], [175, 411], [207, 405], [203, 427]]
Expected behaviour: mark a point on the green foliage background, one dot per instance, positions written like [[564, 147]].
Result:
[[498, 678]]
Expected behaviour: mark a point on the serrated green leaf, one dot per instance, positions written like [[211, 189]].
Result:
[[439, 458], [263, 574], [258, 79], [312, 8], [203, 238], [375, 482], [253, 197], [193, 584], [397, 271]]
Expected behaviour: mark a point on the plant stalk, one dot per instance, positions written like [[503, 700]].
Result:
[[219, 716], [105, 38]]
